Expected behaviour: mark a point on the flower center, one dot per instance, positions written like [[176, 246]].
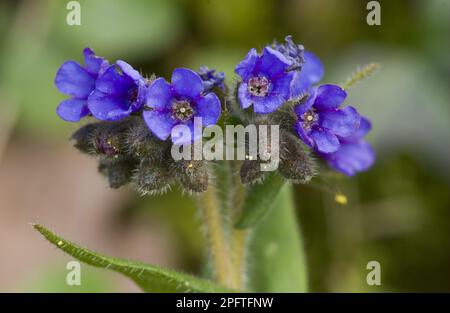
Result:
[[258, 86], [182, 110], [309, 119], [133, 94]]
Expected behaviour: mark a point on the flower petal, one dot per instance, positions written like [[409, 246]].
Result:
[[268, 104], [364, 127], [303, 135], [352, 158], [195, 134], [74, 80], [113, 83], [329, 97], [159, 123], [342, 123], [72, 110], [246, 67], [209, 109], [311, 73], [141, 96], [325, 141], [107, 107], [302, 108], [272, 63], [245, 99], [128, 70], [94, 64], [159, 94], [187, 83]]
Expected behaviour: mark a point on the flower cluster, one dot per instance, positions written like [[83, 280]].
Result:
[[137, 115], [285, 74]]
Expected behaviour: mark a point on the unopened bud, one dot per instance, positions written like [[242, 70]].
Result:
[[119, 173], [84, 138], [151, 177], [251, 172], [295, 163], [142, 144], [192, 175], [110, 138]]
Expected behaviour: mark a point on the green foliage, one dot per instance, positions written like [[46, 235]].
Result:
[[149, 277], [277, 261], [259, 200]]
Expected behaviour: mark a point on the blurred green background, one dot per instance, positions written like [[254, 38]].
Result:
[[397, 213]]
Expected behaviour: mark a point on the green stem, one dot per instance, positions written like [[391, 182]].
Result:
[[220, 256], [239, 237], [361, 74]]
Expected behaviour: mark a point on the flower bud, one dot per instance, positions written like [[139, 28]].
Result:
[[295, 163], [109, 139], [192, 175], [251, 172], [119, 173], [141, 143], [152, 177], [84, 138]]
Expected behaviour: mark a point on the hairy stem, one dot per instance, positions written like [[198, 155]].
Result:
[[220, 256], [239, 237], [361, 74]]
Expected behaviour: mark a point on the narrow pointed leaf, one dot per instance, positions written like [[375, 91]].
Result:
[[150, 278], [259, 200]]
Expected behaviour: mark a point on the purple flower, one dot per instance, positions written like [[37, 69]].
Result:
[[178, 103], [308, 70], [355, 154], [119, 91], [211, 78], [292, 51], [266, 81], [321, 124], [310, 74], [78, 81]]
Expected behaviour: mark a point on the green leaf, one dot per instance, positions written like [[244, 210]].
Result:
[[150, 278], [259, 200], [276, 250]]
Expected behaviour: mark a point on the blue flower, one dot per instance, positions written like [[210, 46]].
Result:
[[292, 51], [308, 70], [266, 80], [178, 103], [311, 73], [119, 91], [321, 124], [211, 78], [355, 154], [78, 81]]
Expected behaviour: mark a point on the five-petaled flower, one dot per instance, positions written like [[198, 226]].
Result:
[[78, 81], [178, 103], [321, 124], [355, 154], [119, 91], [266, 80]]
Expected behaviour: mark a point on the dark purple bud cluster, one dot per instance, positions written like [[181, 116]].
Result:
[[127, 152]]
